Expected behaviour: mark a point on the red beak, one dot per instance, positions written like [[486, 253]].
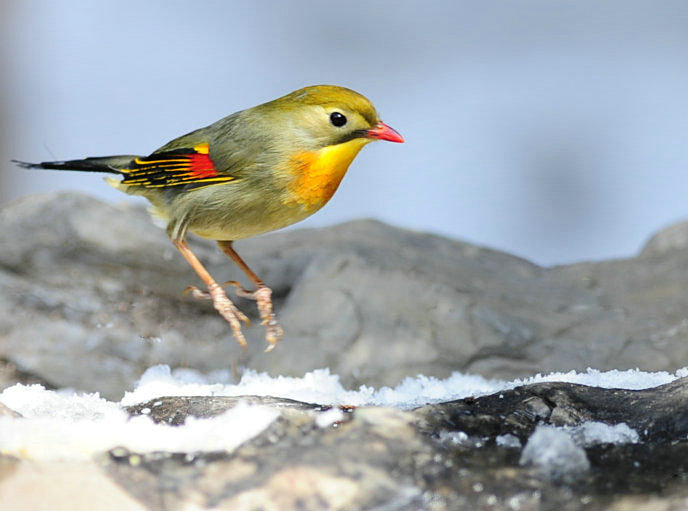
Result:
[[383, 132]]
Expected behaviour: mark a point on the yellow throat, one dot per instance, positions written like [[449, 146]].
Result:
[[317, 174]]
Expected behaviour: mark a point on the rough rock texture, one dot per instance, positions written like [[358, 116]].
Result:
[[91, 294], [439, 457]]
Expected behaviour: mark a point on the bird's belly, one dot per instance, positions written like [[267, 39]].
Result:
[[247, 225], [232, 213]]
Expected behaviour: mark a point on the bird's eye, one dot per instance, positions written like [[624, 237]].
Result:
[[338, 119]]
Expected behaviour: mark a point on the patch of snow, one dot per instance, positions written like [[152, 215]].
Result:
[[331, 416], [594, 433], [454, 437], [558, 452], [555, 454], [77, 426], [318, 386], [463, 439], [630, 379], [322, 387], [509, 441]]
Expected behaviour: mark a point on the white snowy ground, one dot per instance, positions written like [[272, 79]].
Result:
[[67, 425]]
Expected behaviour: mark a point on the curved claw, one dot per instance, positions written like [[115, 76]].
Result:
[[197, 293], [240, 290], [273, 335]]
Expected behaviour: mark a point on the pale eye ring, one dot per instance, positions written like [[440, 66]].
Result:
[[337, 119]]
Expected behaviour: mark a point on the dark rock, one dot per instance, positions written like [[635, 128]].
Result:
[[175, 410], [91, 295], [657, 414]]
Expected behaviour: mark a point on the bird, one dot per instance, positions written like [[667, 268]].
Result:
[[252, 172]]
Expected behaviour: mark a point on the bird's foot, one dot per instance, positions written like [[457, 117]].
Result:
[[263, 298], [225, 307]]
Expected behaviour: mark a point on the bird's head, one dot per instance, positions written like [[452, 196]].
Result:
[[313, 135], [327, 115]]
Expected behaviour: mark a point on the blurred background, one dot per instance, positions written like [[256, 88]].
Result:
[[552, 130]]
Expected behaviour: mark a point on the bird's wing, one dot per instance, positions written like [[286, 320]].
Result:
[[190, 168]]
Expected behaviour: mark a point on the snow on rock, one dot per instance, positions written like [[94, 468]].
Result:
[[509, 441], [318, 386], [330, 417], [559, 452], [75, 426], [555, 454], [67, 425], [455, 437], [322, 387], [631, 379], [594, 433]]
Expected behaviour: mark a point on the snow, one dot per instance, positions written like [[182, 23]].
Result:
[[330, 417], [322, 387], [509, 441], [454, 437], [594, 433], [58, 426], [558, 452], [71, 425], [554, 453]]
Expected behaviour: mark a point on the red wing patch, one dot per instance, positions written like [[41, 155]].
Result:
[[191, 168]]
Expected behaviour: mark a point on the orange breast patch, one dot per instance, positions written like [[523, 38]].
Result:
[[317, 174]]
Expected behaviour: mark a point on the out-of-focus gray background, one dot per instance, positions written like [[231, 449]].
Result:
[[554, 130]]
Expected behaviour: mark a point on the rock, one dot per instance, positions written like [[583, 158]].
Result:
[[657, 414], [175, 410], [91, 295], [10, 374], [8, 412], [669, 239], [61, 486], [444, 456], [380, 457], [366, 461]]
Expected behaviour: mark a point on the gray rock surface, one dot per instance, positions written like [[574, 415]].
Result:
[[91, 295], [439, 457]]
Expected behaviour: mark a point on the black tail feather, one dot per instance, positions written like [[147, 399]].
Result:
[[109, 164]]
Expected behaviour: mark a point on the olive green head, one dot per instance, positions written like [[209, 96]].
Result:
[[323, 115]]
